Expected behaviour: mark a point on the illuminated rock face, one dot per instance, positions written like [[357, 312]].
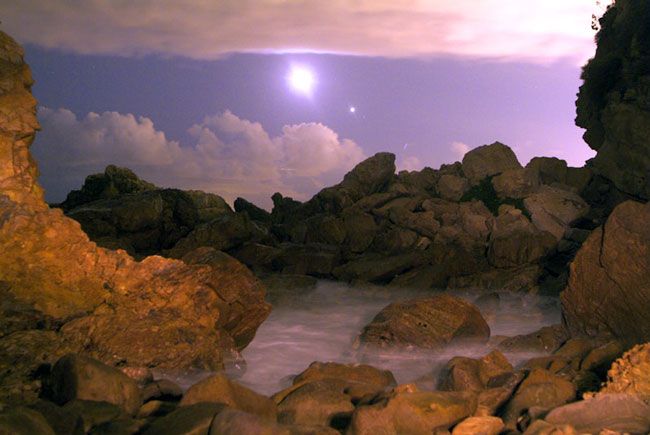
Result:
[[156, 313]]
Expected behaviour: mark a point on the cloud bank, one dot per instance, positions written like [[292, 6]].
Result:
[[230, 156], [538, 31]]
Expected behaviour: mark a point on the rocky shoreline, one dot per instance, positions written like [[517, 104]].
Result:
[[124, 278]]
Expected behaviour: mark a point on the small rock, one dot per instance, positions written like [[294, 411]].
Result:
[[479, 426], [219, 389], [191, 419], [23, 421]]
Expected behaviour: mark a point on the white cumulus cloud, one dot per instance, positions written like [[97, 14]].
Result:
[[230, 156], [460, 149]]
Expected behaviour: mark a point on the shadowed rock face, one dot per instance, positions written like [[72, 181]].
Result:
[[609, 290], [157, 312], [614, 102]]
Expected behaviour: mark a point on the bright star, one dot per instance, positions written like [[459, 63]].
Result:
[[301, 79], [353, 109]]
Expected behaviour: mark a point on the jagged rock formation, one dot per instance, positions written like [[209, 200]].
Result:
[[608, 290], [614, 101], [119, 210], [498, 227], [62, 293]]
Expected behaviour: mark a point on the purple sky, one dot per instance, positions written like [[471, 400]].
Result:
[[183, 107]]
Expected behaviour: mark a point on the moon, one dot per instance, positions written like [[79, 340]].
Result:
[[301, 79]]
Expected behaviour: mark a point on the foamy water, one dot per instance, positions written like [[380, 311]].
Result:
[[322, 325]]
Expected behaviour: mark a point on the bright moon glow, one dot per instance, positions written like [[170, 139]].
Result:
[[302, 80], [353, 109]]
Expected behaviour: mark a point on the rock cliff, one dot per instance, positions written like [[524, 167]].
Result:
[[62, 293], [614, 102]]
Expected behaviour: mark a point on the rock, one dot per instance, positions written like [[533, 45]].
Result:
[[612, 102], [493, 399], [257, 256], [548, 170], [149, 221], [599, 359], [120, 426], [317, 402], [22, 354], [360, 229], [360, 373], [515, 241], [154, 313], [142, 375], [192, 419], [113, 182], [452, 187], [23, 421], [75, 377], [371, 175], [156, 408], [625, 413], [540, 427], [631, 373], [468, 374], [553, 209], [423, 223], [420, 278], [162, 389], [224, 233], [254, 212], [608, 286], [515, 183], [408, 411], [205, 290], [217, 388], [93, 413], [235, 422], [378, 268], [540, 389], [546, 340], [428, 322], [488, 160], [313, 259], [59, 418], [479, 426]]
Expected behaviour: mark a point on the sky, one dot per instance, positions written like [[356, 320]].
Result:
[[249, 97]]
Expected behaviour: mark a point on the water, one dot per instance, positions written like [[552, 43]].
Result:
[[322, 325]]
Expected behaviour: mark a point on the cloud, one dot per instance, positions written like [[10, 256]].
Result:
[[539, 31], [230, 156], [460, 149], [409, 163]]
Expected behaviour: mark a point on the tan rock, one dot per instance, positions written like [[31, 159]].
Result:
[[428, 323], [515, 183], [552, 209], [76, 377], [608, 289], [412, 412], [219, 389], [452, 187], [23, 421], [479, 426], [631, 373], [540, 389], [488, 160]]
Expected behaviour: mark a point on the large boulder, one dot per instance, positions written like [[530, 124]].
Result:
[[155, 313], [612, 103], [427, 323], [452, 187], [608, 289], [488, 160]]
